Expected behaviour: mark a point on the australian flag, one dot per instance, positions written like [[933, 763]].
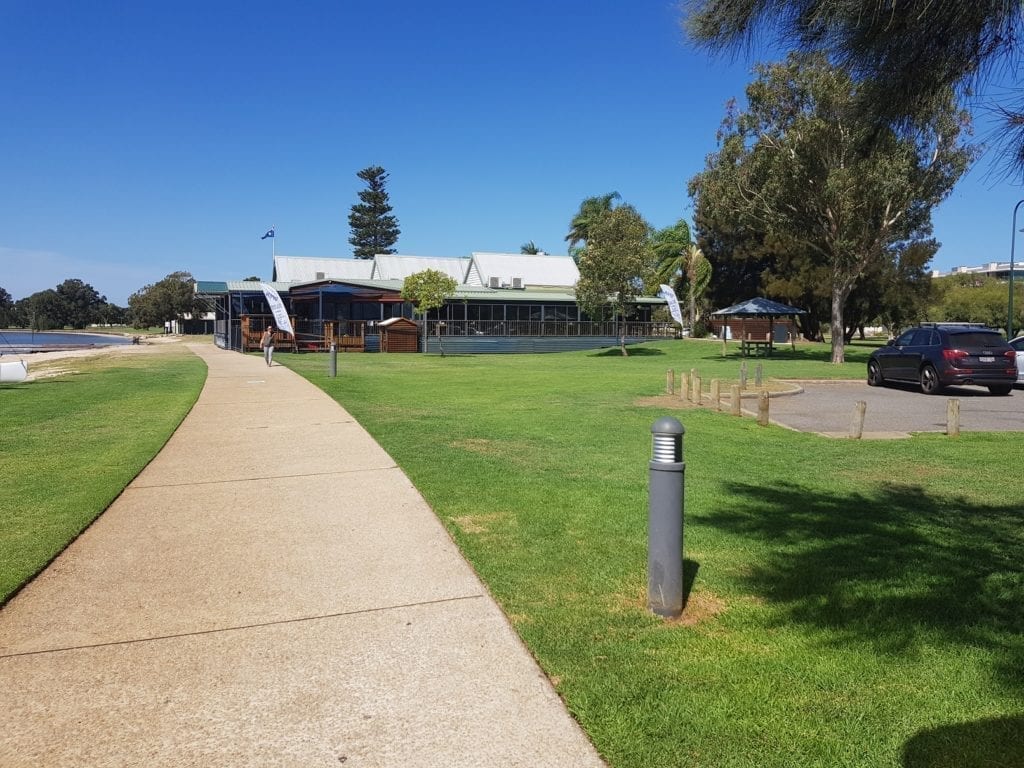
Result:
[[270, 233]]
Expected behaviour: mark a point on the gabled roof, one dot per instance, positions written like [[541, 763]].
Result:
[[534, 270], [397, 267], [293, 269], [759, 307]]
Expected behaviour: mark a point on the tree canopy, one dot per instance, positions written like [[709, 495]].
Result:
[[814, 193], [427, 290], [590, 210], [615, 265], [374, 229], [670, 246], [169, 299], [970, 298], [908, 55], [7, 315]]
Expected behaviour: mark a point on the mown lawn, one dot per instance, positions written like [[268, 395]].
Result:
[[853, 603], [69, 444]]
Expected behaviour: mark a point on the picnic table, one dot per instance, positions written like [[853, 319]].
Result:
[[754, 347]]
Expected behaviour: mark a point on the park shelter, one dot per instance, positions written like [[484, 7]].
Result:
[[756, 320]]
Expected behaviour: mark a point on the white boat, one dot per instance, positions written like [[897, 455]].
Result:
[[13, 371]]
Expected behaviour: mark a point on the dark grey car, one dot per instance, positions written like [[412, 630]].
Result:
[[937, 355]]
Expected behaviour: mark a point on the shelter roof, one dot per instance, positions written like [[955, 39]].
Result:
[[759, 307]]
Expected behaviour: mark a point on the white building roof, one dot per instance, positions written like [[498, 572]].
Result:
[[541, 270], [302, 269], [398, 267]]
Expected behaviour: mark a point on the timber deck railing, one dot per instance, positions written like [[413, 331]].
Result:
[[350, 335]]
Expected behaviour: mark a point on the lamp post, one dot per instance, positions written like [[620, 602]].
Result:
[[1013, 242]]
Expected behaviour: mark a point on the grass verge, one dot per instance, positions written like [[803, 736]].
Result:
[[852, 603], [69, 444]]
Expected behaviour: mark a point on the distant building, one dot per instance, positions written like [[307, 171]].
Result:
[[997, 269], [502, 303]]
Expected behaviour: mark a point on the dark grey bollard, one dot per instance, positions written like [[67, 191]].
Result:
[[665, 519], [332, 362]]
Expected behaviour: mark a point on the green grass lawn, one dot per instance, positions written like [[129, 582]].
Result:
[[71, 443], [853, 603]]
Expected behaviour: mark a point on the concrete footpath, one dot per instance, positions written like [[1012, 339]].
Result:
[[270, 591]]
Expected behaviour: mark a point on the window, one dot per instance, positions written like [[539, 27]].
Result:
[[905, 337], [922, 338]]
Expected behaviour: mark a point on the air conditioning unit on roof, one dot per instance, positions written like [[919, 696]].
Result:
[[517, 283], [494, 282]]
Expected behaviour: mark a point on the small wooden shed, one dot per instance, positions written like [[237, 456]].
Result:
[[399, 334]]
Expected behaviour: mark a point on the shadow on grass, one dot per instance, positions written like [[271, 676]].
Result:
[[894, 568], [993, 742], [690, 568], [633, 352]]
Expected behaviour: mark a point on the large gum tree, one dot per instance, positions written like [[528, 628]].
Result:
[[804, 182]]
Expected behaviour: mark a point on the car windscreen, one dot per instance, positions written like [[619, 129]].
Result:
[[975, 339]]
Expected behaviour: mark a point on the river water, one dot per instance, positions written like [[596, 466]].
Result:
[[20, 342]]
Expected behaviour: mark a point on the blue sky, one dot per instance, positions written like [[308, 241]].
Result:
[[142, 138]]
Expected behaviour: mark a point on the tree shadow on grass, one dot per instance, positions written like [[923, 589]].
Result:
[[991, 743], [892, 567], [633, 352]]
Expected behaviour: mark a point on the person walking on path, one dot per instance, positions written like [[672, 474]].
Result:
[[267, 342]]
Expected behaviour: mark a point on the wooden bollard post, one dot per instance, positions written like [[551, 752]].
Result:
[[758, 373], [697, 394], [693, 376], [857, 424], [684, 386], [735, 392], [716, 394], [724, 347], [953, 417], [762, 408], [743, 375], [670, 382]]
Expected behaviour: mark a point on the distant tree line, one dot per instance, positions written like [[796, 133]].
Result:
[[72, 304], [76, 304]]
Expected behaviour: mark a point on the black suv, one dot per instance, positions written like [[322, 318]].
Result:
[[936, 355]]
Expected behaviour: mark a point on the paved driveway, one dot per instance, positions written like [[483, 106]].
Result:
[[828, 407]]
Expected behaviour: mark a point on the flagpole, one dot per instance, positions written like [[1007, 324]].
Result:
[[273, 243]]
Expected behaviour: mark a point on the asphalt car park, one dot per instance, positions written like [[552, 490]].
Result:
[[828, 407]]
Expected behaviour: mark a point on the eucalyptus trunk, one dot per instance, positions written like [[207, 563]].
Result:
[[840, 293]]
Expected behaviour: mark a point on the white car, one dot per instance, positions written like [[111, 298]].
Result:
[[1018, 346]]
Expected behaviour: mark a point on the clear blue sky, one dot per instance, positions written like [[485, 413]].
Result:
[[138, 139]]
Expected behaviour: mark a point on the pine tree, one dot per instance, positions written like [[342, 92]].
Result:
[[374, 229]]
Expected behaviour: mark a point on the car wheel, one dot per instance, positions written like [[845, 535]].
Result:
[[1000, 389], [875, 375], [930, 380]]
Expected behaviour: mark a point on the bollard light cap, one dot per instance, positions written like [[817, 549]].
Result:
[[667, 425]]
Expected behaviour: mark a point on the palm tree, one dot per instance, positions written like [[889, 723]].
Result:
[[590, 209], [698, 276], [529, 248], [670, 247]]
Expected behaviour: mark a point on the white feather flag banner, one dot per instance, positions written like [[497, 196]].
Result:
[[277, 307], [669, 295]]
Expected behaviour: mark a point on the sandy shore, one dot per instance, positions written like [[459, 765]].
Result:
[[43, 365]]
